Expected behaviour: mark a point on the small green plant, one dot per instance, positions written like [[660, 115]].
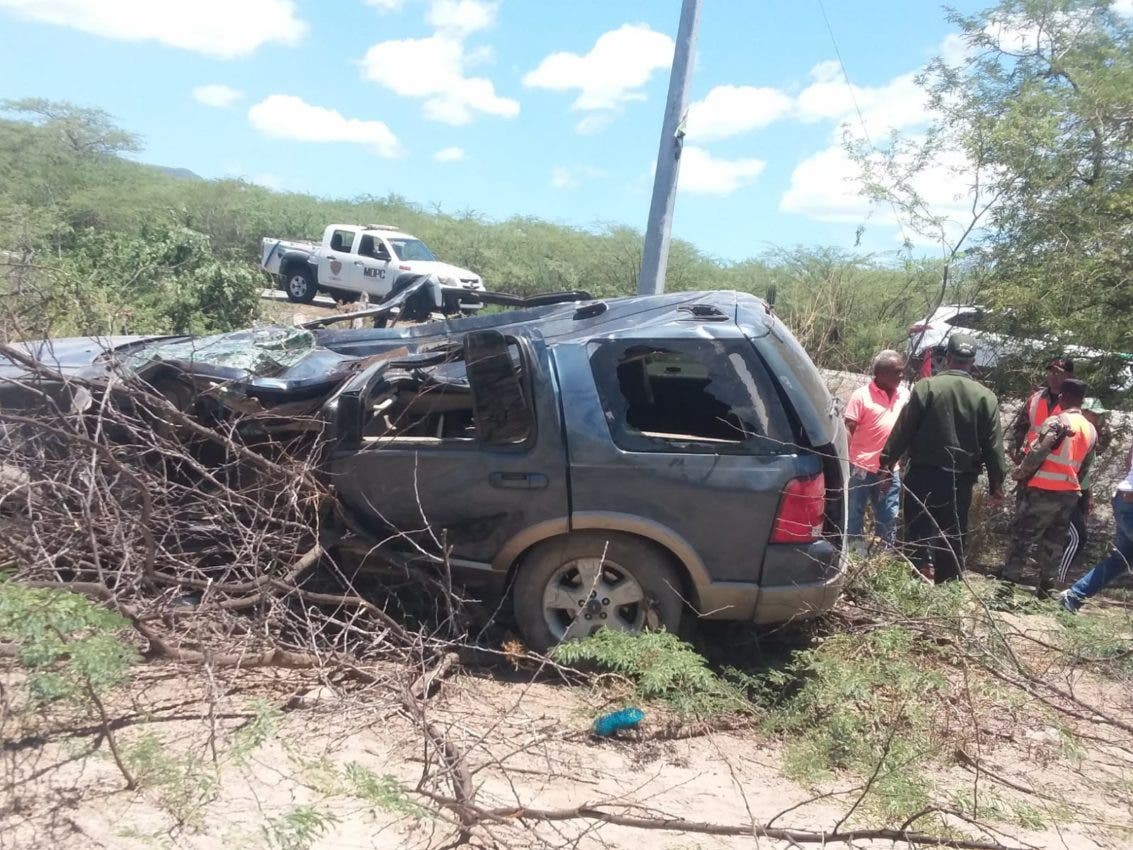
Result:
[[662, 667], [383, 791], [1101, 638], [72, 649], [864, 703], [889, 584], [298, 828], [69, 645], [183, 785], [256, 731]]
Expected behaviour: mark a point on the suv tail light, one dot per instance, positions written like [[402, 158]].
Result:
[[919, 327], [801, 510]]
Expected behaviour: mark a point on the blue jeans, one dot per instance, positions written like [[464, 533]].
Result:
[[869, 487], [1116, 564]]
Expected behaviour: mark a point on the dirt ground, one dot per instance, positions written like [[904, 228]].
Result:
[[526, 743]]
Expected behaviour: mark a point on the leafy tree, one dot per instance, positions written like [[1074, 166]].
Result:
[[84, 131], [161, 280], [1041, 106]]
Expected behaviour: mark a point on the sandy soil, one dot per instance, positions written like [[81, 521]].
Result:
[[526, 742]]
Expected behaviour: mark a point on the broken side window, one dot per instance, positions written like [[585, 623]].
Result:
[[475, 394], [701, 395]]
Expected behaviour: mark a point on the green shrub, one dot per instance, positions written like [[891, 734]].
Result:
[[1101, 638], [298, 828], [183, 785], [662, 667], [856, 702], [72, 648]]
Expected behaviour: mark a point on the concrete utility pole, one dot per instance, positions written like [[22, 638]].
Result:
[[651, 281]]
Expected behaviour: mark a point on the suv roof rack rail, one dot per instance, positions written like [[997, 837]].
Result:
[[501, 299], [379, 227]]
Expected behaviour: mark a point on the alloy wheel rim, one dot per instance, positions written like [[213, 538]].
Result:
[[585, 594]]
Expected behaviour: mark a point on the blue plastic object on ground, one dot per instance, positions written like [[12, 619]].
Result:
[[627, 718]]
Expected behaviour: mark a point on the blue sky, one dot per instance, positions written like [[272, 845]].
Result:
[[516, 107]]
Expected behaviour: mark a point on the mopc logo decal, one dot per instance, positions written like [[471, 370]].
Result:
[[335, 266]]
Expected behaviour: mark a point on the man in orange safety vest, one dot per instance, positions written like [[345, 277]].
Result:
[[1042, 403], [1050, 477]]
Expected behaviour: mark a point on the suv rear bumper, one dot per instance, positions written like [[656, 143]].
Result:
[[798, 583]]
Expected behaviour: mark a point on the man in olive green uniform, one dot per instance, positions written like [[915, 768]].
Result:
[[949, 430], [1043, 512]]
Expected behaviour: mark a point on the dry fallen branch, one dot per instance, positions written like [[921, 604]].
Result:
[[668, 824]]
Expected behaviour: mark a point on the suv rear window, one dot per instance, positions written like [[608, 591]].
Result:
[[704, 395]]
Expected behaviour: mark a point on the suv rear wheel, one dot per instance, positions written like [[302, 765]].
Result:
[[571, 586]]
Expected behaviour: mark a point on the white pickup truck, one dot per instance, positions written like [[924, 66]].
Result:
[[377, 259]]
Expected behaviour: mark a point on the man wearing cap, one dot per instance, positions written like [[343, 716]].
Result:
[[1050, 487], [1042, 404], [950, 430], [1095, 413]]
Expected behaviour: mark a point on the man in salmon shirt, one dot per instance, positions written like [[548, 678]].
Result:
[[870, 416]]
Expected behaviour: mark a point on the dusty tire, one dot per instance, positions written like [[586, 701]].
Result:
[[598, 570], [299, 285]]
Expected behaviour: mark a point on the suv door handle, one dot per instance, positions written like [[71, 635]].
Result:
[[518, 480]]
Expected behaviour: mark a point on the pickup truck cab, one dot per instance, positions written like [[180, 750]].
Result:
[[352, 259]]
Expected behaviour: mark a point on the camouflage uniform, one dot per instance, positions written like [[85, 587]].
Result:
[[1041, 516]]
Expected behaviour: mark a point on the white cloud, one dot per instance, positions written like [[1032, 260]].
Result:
[[462, 17], [386, 5], [220, 96], [433, 69], [827, 187], [955, 50], [217, 28], [897, 104], [594, 123], [571, 177], [732, 110], [282, 116], [450, 154], [1123, 8], [561, 178], [615, 70], [701, 173]]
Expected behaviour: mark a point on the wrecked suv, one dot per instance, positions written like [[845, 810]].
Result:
[[618, 464], [627, 463]]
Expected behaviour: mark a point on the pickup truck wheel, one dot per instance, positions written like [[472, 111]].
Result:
[[299, 287], [569, 587]]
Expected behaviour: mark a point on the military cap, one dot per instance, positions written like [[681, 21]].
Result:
[[962, 346]]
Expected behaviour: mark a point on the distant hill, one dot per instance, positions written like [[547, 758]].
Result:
[[178, 173]]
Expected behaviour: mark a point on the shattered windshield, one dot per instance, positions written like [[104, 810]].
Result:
[[411, 249], [265, 350]]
